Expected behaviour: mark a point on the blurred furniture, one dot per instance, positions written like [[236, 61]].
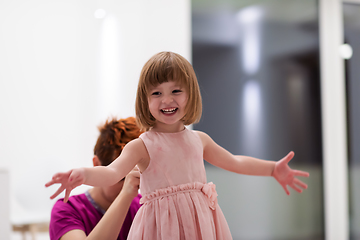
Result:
[[28, 221], [31, 206], [32, 228], [30, 200]]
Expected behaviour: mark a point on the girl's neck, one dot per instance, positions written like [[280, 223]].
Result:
[[166, 128]]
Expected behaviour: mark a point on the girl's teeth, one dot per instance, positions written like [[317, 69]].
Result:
[[168, 110]]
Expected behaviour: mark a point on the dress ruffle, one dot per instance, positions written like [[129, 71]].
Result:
[[183, 212], [209, 190]]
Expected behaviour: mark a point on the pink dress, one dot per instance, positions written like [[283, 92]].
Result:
[[178, 203]]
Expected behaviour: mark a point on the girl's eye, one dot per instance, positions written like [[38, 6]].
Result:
[[177, 91], [155, 94]]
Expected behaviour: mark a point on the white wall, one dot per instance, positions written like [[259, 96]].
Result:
[[63, 72], [4, 205]]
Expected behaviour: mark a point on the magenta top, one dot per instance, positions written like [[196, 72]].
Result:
[[80, 213]]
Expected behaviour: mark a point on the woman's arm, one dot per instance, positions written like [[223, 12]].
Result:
[[110, 224], [218, 156], [133, 153]]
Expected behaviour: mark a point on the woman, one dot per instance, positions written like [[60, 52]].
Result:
[[101, 212]]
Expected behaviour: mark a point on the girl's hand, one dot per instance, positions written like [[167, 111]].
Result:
[[287, 176], [69, 180]]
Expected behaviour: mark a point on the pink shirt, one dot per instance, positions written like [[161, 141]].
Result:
[[79, 213]]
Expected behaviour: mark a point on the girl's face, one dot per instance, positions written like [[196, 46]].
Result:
[[167, 103]]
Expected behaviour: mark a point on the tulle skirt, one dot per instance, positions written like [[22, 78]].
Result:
[[187, 212]]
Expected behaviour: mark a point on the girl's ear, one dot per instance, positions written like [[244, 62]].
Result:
[[96, 161]]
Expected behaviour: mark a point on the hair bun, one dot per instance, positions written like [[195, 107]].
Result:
[[114, 135]]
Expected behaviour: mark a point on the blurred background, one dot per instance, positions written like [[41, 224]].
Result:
[[66, 66]]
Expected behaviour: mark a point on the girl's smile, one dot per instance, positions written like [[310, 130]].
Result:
[[169, 110], [167, 103]]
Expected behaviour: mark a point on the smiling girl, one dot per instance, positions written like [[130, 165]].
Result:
[[178, 203]]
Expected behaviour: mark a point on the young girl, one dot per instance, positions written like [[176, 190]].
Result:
[[178, 203]]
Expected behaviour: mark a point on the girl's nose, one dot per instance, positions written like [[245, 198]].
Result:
[[167, 99]]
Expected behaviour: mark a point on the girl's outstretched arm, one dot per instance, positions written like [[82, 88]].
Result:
[[133, 153], [220, 157]]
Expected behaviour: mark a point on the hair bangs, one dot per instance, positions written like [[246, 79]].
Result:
[[167, 68]]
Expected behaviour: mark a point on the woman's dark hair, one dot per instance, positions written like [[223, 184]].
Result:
[[114, 135]]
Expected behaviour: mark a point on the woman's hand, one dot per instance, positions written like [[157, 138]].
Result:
[[287, 176], [69, 180], [131, 184]]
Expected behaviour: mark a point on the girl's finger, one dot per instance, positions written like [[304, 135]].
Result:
[[57, 176], [61, 175], [286, 189], [48, 184], [301, 173], [293, 186], [288, 157], [60, 189], [67, 194], [300, 183]]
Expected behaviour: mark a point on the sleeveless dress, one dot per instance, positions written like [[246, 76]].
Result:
[[177, 201]]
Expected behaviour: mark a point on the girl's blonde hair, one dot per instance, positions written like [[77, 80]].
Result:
[[164, 67]]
